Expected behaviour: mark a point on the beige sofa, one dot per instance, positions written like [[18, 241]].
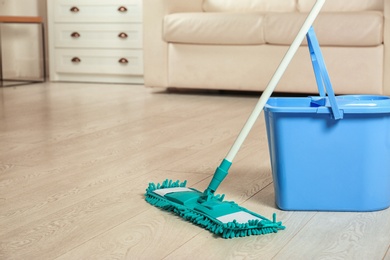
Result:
[[238, 44]]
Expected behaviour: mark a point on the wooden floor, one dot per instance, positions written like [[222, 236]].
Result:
[[75, 160]]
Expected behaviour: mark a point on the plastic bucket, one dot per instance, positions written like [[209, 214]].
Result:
[[319, 163]]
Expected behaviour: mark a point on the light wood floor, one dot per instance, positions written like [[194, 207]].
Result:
[[75, 160]]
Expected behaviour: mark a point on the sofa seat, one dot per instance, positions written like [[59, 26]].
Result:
[[238, 44], [333, 29], [214, 28]]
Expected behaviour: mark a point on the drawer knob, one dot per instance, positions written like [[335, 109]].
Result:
[[123, 61], [122, 9], [75, 35], [123, 35], [74, 9], [76, 60]]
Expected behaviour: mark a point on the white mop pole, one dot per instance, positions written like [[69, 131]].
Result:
[[275, 80], [222, 170]]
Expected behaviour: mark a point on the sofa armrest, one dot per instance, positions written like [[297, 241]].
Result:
[[386, 43], [154, 47]]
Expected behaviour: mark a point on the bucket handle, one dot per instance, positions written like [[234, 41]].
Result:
[[321, 73]]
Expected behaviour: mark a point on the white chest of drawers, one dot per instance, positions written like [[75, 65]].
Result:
[[95, 40]]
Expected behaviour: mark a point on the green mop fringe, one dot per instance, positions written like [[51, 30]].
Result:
[[227, 230]]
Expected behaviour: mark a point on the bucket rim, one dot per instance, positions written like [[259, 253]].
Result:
[[349, 104]]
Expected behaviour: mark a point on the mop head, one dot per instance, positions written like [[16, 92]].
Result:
[[224, 218]]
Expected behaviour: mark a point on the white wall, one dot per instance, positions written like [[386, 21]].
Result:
[[21, 43]]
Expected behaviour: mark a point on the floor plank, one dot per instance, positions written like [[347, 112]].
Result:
[[54, 193], [75, 160], [344, 235], [69, 227]]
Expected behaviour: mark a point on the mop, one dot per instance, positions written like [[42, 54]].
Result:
[[209, 210]]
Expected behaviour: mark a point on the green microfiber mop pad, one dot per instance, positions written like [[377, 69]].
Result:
[[224, 218]]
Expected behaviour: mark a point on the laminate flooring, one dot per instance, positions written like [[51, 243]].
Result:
[[75, 160]]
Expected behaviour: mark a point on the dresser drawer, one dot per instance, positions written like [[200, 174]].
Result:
[[98, 11], [114, 62], [120, 35]]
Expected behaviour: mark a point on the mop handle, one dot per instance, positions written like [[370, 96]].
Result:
[[222, 171], [274, 80]]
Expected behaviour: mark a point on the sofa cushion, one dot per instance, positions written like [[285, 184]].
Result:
[[214, 28], [332, 29], [343, 5], [250, 5]]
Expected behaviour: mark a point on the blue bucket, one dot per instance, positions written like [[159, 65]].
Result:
[[329, 153], [319, 163]]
